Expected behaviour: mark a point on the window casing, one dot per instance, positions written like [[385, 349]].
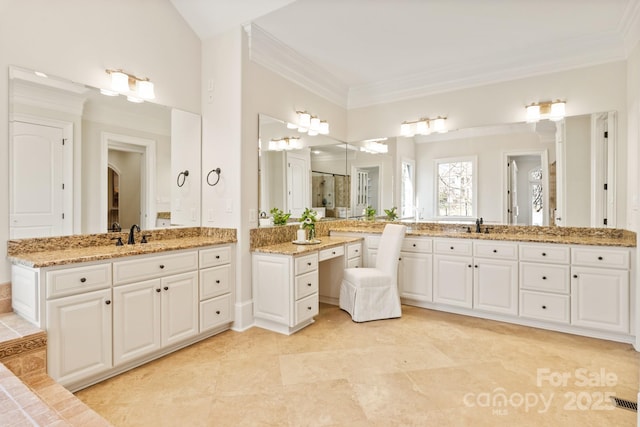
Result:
[[456, 188]]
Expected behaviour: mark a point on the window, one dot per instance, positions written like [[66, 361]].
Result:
[[407, 192], [455, 187]]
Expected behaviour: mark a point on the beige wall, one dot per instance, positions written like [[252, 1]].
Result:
[[79, 39]]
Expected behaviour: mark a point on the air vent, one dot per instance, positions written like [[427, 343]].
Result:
[[625, 404]]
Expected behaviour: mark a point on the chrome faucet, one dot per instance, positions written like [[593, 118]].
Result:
[[132, 240]]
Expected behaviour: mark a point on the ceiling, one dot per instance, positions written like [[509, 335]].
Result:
[[376, 51]]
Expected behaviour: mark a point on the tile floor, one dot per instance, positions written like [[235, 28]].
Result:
[[427, 368]]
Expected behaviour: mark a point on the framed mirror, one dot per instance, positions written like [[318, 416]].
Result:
[[82, 162]]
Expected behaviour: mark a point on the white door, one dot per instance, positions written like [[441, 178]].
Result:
[[36, 188], [512, 192], [361, 191], [298, 195], [179, 307], [136, 320], [79, 336]]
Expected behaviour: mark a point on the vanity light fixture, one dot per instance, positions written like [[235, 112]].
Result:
[[137, 89], [552, 110], [311, 125], [286, 143], [423, 126]]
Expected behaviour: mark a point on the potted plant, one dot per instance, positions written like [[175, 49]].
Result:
[[308, 222], [391, 213], [279, 217], [370, 213]]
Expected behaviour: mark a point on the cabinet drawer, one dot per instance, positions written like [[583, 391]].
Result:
[[306, 284], [331, 253], [600, 257], [306, 308], [543, 306], [215, 312], [544, 277], [215, 256], [496, 250], [452, 247], [354, 262], [354, 250], [214, 281], [307, 263], [545, 253], [415, 244], [75, 280], [155, 266]]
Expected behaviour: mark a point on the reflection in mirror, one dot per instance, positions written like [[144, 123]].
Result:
[[297, 171], [64, 138]]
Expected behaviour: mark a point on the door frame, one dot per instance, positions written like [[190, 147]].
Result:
[[544, 162], [147, 147], [70, 198]]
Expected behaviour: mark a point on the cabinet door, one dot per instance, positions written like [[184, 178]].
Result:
[[179, 307], [136, 320], [452, 280], [272, 295], [600, 298], [79, 336], [495, 286], [415, 276], [372, 254]]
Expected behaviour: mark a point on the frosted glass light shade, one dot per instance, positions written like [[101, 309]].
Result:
[[533, 113], [324, 128], [119, 81], [422, 127], [557, 111], [438, 125], [144, 88], [304, 120], [314, 124], [405, 129]]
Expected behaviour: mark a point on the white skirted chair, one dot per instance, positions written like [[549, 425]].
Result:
[[372, 293]]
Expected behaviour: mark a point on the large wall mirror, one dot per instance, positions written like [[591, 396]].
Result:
[[336, 179], [82, 162]]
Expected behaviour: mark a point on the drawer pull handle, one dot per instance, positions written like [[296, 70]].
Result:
[[495, 251], [217, 281], [544, 307], [217, 311], [309, 308], [333, 252], [161, 266], [158, 290], [166, 288], [600, 258], [108, 302], [83, 279], [309, 284], [575, 276], [544, 277], [309, 264], [544, 254], [217, 256]]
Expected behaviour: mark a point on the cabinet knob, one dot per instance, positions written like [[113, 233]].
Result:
[[414, 245], [309, 284], [575, 276], [475, 266], [600, 258], [108, 302], [357, 251], [217, 311], [161, 266], [544, 277], [166, 288], [217, 256], [544, 307], [451, 248], [333, 252], [217, 281], [158, 289], [544, 254], [495, 251], [309, 308], [309, 264], [83, 279], [469, 266]]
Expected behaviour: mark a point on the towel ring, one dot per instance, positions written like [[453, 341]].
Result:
[[184, 176], [217, 171]]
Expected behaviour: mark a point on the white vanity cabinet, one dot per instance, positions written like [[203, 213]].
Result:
[[600, 288], [453, 272], [415, 279], [217, 281], [495, 277], [285, 291], [544, 282], [354, 255]]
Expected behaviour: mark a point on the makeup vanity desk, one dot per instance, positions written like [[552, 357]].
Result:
[[289, 280]]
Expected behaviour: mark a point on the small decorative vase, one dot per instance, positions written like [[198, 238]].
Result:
[[312, 233]]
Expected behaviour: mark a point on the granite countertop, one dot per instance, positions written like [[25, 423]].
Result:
[[621, 238], [289, 248], [68, 251]]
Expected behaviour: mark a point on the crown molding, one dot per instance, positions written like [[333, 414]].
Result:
[[596, 50], [271, 53]]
